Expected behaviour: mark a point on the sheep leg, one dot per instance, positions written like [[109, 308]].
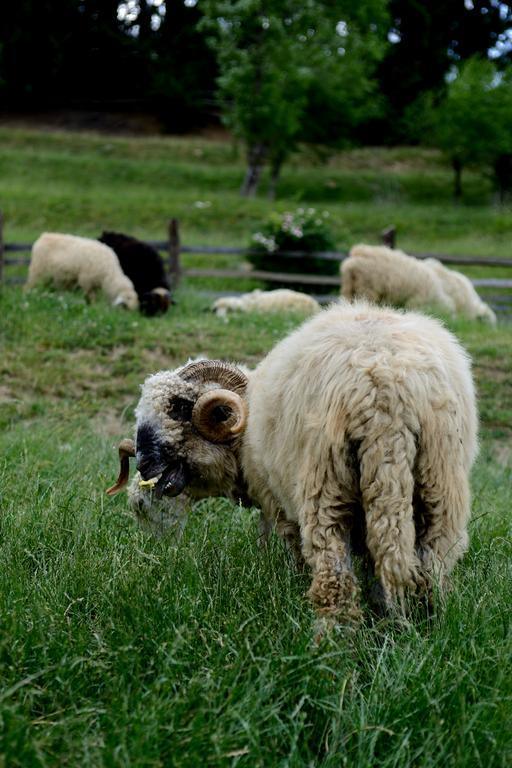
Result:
[[88, 287], [387, 487], [334, 590], [288, 530], [446, 498]]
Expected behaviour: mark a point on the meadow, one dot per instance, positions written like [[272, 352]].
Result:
[[117, 649]]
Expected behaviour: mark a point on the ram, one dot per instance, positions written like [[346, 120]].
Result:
[[355, 434], [69, 261]]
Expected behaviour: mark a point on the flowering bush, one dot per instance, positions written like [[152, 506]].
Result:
[[306, 230]]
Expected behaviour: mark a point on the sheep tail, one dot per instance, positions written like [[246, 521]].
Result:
[[386, 459]]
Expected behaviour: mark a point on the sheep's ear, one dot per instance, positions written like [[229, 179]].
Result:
[[220, 415]]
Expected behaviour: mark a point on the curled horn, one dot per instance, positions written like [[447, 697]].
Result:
[[126, 449], [227, 375], [220, 415]]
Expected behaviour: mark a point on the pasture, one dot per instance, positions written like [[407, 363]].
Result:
[[117, 649]]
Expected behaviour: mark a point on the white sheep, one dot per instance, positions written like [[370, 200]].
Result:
[[381, 274], [355, 434], [69, 261], [460, 289], [279, 300]]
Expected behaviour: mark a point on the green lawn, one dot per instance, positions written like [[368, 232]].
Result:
[[117, 649]]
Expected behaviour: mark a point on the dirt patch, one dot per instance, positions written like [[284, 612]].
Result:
[[492, 372], [111, 423], [502, 453], [158, 359], [7, 396]]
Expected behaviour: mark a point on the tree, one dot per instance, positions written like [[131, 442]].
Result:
[[343, 93], [502, 159], [179, 66], [75, 52], [473, 121], [184, 68], [427, 40], [34, 44], [275, 56]]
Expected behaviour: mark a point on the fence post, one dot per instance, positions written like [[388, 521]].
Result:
[[174, 253], [1, 246], [388, 236]]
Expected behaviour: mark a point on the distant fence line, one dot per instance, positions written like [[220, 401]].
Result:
[[173, 247]]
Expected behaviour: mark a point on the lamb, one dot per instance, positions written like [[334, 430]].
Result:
[[70, 261], [279, 300], [460, 289], [381, 274], [143, 265], [355, 434]]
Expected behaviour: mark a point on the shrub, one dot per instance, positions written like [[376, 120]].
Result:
[[304, 230]]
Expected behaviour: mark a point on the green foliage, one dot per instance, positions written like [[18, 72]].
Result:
[[419, 120], [428, 40], [475, 117], [303, 230], [286, 68]]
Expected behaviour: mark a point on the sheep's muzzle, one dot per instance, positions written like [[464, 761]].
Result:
[[173, 480]]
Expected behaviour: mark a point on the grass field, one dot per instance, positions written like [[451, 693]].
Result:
[[120, 650]]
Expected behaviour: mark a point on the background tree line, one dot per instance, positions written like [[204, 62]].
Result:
[[279, 73]]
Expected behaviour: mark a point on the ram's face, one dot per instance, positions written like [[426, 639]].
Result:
[[188, 426]]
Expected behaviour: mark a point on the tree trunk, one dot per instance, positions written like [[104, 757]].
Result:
[[457, 187], [275, 173], [503, 175], [255, 162]]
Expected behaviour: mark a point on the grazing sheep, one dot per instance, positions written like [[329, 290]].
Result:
[[69, 261], [280, 300], [460, 289], [143, 265], [356, 433], [381, 274]]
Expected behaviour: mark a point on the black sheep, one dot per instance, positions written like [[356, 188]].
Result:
[[143, 265]]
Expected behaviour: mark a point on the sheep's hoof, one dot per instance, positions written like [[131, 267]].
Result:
[[332, 625], [334, 594]]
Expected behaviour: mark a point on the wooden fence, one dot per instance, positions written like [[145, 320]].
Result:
[[172, 246]]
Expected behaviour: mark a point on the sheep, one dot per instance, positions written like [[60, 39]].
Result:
[[143, 265], [279, 300], [356, 433], [460, 289], [381, 274], [70, 261]]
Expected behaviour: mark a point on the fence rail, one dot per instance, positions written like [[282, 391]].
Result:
[[176, 271]]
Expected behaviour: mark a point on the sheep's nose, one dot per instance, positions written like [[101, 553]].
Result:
[[145, 466], [149, 454]]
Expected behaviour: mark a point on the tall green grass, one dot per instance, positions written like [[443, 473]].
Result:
[[117, 649]]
